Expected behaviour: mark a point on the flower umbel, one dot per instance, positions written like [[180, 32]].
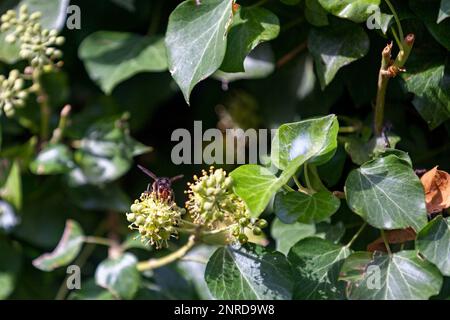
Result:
[[156, 219], [213, 205], [12, 93], [36, 43]]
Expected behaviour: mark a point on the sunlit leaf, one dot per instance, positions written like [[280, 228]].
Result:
[[317, 263], [249, 272], [250, 27], [297, 206], [196, 41], [387, 194], [433, 242], [402, 276]]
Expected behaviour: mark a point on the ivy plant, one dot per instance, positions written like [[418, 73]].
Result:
[[350, 200]]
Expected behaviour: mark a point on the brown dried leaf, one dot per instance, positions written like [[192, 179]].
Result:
[[437, 190], [393, 236]]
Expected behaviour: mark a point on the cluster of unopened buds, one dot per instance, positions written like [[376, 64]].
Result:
[[212, 207], [12, 92], [213, 204], [37, 44]]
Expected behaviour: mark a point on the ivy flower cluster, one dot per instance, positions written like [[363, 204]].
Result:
[[37, 44], [155, 218], [12, 92], [213, 204], [212, 207]]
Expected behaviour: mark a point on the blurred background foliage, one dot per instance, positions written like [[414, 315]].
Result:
[[109, 133]]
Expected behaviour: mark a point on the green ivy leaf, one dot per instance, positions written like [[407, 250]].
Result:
[[10, 263], [433, 242], [315, 13], [432, 93], [444, 11], [336, 46], [293, 145], [249, 272], [119, 276], [65, 252], [428, 11], [317, 263], [250, 27], [331, 171], [258, 64], [362, 150], [313, 140], [255, 185], [11, 185], [387, 194], [90, 291], [286, 235], [354, 10], [105, 153], [306, 208], [8, 218], [112, 57], [402, 276], [196, 41], [53, 159]]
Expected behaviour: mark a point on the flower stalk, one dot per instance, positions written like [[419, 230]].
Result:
[[158, 263]]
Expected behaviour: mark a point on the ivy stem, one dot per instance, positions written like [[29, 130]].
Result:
[[299, 185], [396, 37], [58, 133], [308, 182], [397, 20], [356, 235], [291, 55], [386, 243], [389, 70], [42, 99], [383, 80], [288, 188], [349, 129], [157, 263], [156, 17], [98, 240]]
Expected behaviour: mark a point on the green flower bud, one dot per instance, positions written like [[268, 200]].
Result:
[[35, 16], [60, 41], [10, 38], [261, 223], [131, 217], [257, 231], [243, 239]]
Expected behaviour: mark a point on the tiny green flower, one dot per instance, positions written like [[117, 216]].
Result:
[[36, 43], [12, 92], [156, 219], [213, 204]]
